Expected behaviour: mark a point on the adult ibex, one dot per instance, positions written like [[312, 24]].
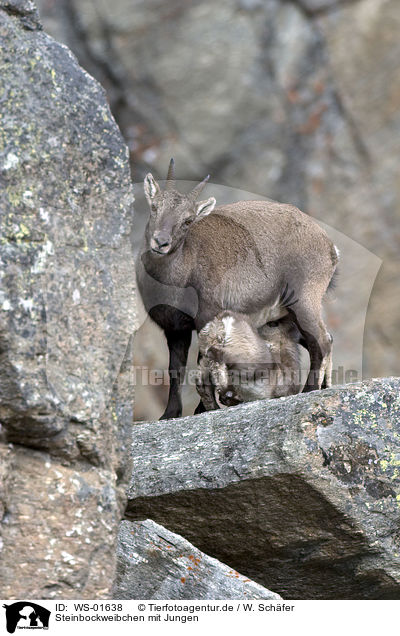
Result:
[[238, 363], [194, 264]]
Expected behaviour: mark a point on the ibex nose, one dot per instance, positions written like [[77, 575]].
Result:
[[160, 241]]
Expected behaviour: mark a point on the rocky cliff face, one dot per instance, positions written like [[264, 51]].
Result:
[[66, 318], [300, 495]]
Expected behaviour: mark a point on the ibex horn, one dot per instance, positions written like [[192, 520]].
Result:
[[171, 175], [199, 188]]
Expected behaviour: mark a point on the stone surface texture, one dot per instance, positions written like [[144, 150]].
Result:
[[300, 494], [296, 100], [67, 315], [153, 563]]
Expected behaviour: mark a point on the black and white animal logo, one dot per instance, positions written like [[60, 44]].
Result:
[[26, 615]]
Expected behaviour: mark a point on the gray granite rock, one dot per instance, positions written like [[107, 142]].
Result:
[[301, 494], [66, 283], [319, 6], [25, 11], [154, 563], [67, 314], [58, 526]]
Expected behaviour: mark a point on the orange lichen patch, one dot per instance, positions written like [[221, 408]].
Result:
[[194, 564], [233, 574], [183, 579], [319, 87], [293, 96], [313, 121], [318, 185]]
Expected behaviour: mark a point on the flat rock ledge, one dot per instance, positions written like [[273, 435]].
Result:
[[153, 563], [300, 494]]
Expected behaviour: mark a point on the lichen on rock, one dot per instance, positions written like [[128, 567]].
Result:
[[154, 563], [67, 314], [301, 494]]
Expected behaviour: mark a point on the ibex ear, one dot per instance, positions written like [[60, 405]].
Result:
[[205, 207], [151, 187]]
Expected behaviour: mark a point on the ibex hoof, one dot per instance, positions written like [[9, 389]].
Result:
[[229, 398]]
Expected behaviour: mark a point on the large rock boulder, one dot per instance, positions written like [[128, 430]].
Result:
[[300, 494], [153, 563], [66, 317]]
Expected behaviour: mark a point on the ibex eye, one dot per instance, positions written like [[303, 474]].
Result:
[[273, 323], [153, 208]]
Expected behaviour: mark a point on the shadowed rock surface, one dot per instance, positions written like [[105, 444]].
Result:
[[153, 563], [66, 318], [301, 494]]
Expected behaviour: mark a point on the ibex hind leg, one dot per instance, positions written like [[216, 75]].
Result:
[[318, 342], [200, 408], [327, 380]]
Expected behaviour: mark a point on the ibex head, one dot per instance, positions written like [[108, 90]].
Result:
[[172, 213]]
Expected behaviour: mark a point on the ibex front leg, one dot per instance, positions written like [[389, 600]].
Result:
[[178, 345]]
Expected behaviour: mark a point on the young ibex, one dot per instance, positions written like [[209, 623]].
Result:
[[194, 264], [238, 363]]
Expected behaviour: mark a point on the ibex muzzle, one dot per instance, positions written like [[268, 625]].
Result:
[[245, 257], [161, 242]]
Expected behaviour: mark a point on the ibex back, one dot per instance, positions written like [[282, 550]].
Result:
[[252, 257]]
